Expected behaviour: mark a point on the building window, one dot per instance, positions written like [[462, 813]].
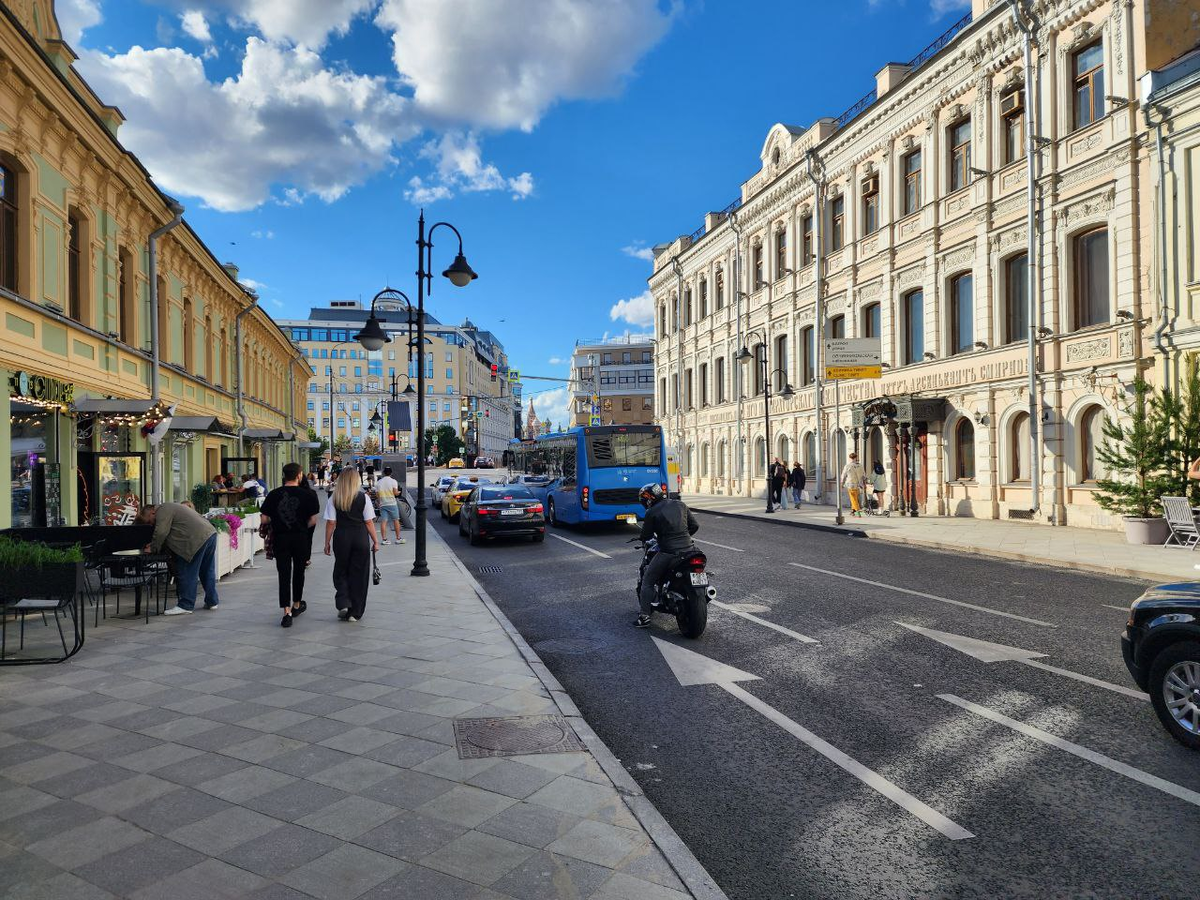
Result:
[[959, 143], [703, 307], [1091, 434], [675, 391], [914, 327], [704, 460], [720, 290], [1089, 85], [1018, 448], [759, 363], [780, 376], [1013, 126], [1016, 298], [647, 403], [837, 327], [870, 321], [9, 231], [126, 311], [806, 240], [780, 253], [189, 340], [758, 266], [962, 314], [662, 394], [662, 319], [647, 356], [704, 384], [808, 355], [837, 220], [964, 450], [688, 397], [627, 404], [870, 204], [719, 378], [208, 351], [912, 182], [74, 267], [1091, 278]]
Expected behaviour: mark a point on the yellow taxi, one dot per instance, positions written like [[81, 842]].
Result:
[[456, 463], [453, 499]]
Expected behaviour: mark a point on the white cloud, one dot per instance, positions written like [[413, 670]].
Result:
[[302, 22], [283, 119], [554, 405], [639, 252], [459, 167], [263, 235], [941, 7], [256, 286], [196, 26], [77, 16], [503, 63], [637, 310], [556, 361]]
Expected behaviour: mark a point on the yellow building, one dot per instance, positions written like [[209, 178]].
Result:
[[115, 313]]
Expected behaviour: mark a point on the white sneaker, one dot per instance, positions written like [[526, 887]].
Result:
[[177, 611], [385, 542], [403, 541], [351, 619]]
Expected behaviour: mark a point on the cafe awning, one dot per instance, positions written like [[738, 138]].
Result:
[[114, 407], [267, 434], [200, 424]]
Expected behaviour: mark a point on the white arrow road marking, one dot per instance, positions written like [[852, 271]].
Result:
[[1123, 609], [691, 668], [1167, 787], [581, 546], [722, 546], [802, 638], [986, 651], [892, 587]]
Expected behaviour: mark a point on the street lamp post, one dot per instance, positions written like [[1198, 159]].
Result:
[[373, 337], [744, 355]]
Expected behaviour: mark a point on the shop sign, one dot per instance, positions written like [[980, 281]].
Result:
[[121, 508], [41, 388]]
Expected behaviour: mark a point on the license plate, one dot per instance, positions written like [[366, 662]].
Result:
[[699, 577], [512, 512], [627, 518]]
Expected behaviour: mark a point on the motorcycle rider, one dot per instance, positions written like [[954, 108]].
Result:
[[672, 523]]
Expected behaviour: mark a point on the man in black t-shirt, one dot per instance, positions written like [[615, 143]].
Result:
[[290, 511]]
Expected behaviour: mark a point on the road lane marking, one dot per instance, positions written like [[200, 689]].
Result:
[[722, 546], [802, 638], [581, 546], [1161, 784], [892, 587], [988, 652], [1123, 609], [691, 668]]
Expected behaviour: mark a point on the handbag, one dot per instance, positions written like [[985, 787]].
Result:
[[376, 575]]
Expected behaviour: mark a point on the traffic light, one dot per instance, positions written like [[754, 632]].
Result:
[[495, 371]]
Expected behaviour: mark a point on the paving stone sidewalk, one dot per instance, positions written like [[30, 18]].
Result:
[[219, 755], [1086, 549]]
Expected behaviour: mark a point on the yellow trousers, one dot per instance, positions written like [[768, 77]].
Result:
[[855, 503]]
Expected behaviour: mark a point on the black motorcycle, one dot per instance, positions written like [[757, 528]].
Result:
[[686, 591]]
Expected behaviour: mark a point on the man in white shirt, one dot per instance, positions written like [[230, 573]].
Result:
[[387, 492], [253, 488]]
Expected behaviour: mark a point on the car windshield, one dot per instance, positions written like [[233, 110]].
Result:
[[624, 448], [512, 493]]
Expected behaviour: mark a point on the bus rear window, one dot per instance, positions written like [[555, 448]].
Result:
[[624, 449]]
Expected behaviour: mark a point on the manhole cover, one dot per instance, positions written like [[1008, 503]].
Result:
[[490, 570], [569, 645], [515, 736]]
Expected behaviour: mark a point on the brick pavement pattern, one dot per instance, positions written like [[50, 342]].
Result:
[[219, 755]]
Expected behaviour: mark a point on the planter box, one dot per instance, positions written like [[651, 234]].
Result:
[[56, 581], [1146, 531]]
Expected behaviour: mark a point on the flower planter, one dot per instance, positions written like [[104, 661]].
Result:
[[55, 580], [1146, 531]]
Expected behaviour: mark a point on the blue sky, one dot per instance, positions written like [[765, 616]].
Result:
[[562, 137]]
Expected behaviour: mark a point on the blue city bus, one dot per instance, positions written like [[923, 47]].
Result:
[[593, 473]]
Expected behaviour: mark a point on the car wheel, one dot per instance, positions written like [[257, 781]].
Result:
[[462, 532], [475, 539], [550, 516], [539, 538], [1175, 691]]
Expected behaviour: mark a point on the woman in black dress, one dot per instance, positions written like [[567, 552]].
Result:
[[350, 537]]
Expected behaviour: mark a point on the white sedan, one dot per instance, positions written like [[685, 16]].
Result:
[[440, 487]]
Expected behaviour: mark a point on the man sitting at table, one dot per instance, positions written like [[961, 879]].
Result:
[[193, 542]]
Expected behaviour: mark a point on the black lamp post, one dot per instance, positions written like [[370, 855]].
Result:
[[373, 337], [744, 355]]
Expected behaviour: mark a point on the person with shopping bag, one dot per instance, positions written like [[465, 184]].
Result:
[[351, 539]]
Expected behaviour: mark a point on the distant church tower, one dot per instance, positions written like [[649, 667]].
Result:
[[531, 423]]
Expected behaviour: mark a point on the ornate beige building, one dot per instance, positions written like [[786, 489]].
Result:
[[916, 203]]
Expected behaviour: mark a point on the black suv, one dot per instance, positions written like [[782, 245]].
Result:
[[1161, 645]]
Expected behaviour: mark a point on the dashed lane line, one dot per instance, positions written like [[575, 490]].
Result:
[[580, 546], [892, 587], [722, 546], [1160, 784]]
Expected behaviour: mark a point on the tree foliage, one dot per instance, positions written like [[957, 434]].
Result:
[[371, 446], [342, 445], [1136, 454], [443, 443], [1181, 415], [317, 454]]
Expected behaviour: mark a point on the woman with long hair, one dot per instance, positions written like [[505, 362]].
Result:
[[350, 537]]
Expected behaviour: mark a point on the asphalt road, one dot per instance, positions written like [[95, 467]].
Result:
[[741, 778]]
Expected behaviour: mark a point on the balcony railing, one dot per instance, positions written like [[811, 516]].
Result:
[[856, 108], [948, 35]]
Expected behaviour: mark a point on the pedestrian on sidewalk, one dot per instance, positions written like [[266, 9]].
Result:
[[290, 512], [192, 540], [853, 479], [785, 488], [878, 483], [778, 476], [312, 528], [387, 491], [797, 481], [350, 537]]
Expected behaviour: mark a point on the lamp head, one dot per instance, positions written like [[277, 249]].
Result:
[[787, 391], [743, 355], [376, 420], [372, 336], [408, 391], [459, 273]]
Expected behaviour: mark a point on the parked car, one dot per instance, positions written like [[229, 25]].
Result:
[[484, 462], [456, 463], [502, 510], [453, 499], [438, 491], [1161, 646]]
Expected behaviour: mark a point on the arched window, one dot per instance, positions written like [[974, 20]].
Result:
[[760, 456], [874, 448], [189, 343], [222, 355], [1018, 448], [9, 229], [721, 450], [964, 450], [704, 470], [126, 309], [208, 349], [1091, 434], [810, 452], [164, 320]]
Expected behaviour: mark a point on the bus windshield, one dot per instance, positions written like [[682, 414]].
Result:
[[636, 448]]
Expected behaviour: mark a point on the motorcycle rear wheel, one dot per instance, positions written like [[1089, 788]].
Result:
[[693, 614]]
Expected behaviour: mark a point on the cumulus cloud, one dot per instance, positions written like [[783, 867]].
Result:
[[556, 360], [263, 235], [637, 310], [459, 167], [941, 7], [554, 405], [196, 26], [256, 286], [637, 251], [303, 22], [77, 16], [284, 118], [503, 63]]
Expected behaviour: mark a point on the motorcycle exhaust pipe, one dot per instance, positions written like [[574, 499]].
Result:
[[710, 592]]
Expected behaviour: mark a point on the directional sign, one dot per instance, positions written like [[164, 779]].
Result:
[[692, 668], [852, 358], [986, 651]]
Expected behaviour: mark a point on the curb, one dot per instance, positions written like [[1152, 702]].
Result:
[[1009, 555], [693, 875]]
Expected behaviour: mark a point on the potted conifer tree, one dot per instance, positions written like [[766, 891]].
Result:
[[1135, 455]]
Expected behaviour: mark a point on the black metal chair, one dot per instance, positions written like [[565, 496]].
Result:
[[145, 574], [58, 597]]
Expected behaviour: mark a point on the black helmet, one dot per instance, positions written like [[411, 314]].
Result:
[[650, 494]]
